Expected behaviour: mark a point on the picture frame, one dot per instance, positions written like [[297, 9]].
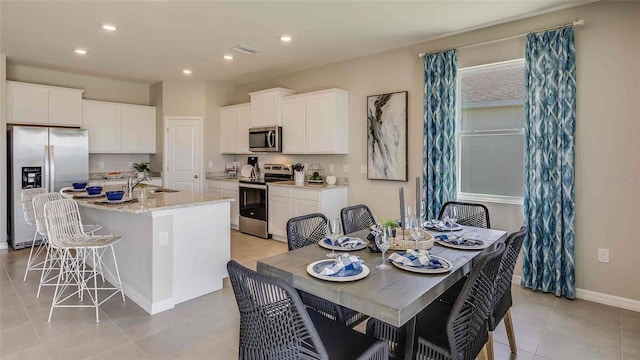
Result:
[[387, 143], [231, 167]]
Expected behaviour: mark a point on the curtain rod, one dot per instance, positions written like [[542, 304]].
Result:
[[573, 23]]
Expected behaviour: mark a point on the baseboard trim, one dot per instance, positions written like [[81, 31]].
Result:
[[600, 298], [4, 246]]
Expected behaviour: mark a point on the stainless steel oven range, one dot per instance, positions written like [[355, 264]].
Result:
[[254, 209]]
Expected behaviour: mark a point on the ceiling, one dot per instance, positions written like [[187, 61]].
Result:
[[156, 40]]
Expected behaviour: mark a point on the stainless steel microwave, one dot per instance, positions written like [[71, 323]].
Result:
[[265, 139]]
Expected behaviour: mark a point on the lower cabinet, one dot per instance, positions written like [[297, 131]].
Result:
[[227, 189], [286, 202]]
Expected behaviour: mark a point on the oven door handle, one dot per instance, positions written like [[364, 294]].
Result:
[[251, 186]]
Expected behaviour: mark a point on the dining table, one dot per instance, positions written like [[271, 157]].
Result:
[[394, 296]]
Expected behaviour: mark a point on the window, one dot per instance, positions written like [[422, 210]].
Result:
[[490, 132]]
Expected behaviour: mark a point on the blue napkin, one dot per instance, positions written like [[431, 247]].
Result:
[[441, 225], [343, 262], [417, 258], [346, 242], [459, 240]]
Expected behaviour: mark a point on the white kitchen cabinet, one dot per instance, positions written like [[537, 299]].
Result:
[[286, 202], [43, 104], [138, 124], [266, 106], [316, 123], [116, 128], [234, 129], [227, 189]]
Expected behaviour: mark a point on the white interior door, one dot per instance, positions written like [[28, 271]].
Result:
[[183, 154]]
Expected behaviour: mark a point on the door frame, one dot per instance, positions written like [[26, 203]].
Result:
[[165, 152]]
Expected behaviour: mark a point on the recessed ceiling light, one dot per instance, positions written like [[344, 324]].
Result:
[[109, 27], [81, 51], [285, 38], [228, 57], [186, 72]]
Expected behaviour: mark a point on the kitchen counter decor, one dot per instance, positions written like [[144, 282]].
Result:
[[315, 174]]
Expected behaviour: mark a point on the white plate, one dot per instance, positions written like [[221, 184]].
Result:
[[76, 190], [245, 171], [361, 275], [461, 247], [119, 201], [429, 226], [90, 196], [323, 244], [424, 270]]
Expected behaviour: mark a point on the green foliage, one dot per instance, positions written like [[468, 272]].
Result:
[[141, 167]]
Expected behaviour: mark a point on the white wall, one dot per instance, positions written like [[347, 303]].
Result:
[[3, 154], [607, 133]]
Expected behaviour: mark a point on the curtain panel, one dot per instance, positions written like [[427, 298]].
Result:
[[549, 205], [439, 151]]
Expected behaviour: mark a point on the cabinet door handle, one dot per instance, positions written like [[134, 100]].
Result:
[[195, 176]]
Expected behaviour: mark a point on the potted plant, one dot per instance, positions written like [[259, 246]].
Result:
[[391, 224], [142, 169]]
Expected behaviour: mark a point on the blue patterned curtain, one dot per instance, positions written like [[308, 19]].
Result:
[[549, 162], [439, 151]]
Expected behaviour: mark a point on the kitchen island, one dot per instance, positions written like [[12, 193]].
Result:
[[175, 245]]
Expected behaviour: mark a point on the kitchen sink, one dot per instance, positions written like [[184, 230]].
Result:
[[163, 190]]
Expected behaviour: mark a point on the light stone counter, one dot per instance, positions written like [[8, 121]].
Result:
[[307, 185], [157, 202], [223, 178]]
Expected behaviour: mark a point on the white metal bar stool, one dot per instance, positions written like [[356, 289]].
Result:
[[26, 197], [65, 233]]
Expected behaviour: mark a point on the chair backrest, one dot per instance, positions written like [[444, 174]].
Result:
[[502, 284], [38, 208], [274, 323], [467, 323], [26, 196], [469, 214], [355, 218], [306, 230], [63, 222]]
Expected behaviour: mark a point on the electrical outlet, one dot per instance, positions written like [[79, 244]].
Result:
[[345, 168], [101, 164], [363, 169], [130, 164], [164, 238], [603, 256], [210, 164], [331, 168]]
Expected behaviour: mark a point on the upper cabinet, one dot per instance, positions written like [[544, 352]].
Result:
[[266, 106], [316, 123], [235, 121], [116, 128], [43, 104]]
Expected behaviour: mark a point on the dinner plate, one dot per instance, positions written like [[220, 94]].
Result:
[[343, 275], [425, 270], [124, 199], [245, 171], [76, 190], [326, 243], [461, 247], [430, 226], [89, 196]]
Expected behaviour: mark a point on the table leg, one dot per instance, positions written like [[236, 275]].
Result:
[[409, 346]]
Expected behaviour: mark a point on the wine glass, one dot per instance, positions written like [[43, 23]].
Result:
[[383, 243], [333, 233], [453, 216], [415, 230]]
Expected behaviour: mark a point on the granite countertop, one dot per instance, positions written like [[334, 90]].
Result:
[[223, 178], [307, 185], [156, 202]]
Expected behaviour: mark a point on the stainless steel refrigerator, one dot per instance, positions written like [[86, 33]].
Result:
[[51, 158]]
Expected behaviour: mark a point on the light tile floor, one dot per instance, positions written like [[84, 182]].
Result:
[[207, 327]]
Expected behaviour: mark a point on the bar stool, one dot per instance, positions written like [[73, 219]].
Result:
[[26, 197], [66, 234]]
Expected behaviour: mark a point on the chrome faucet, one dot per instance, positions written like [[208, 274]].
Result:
[[131, 184]]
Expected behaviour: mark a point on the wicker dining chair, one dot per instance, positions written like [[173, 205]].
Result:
[[450, 331], [274, 324], [469, 214], [308, 230], [26, 196], [355, 218]]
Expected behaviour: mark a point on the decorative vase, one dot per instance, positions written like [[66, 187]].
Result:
[[331, 180], [140, 175], [298, 176]]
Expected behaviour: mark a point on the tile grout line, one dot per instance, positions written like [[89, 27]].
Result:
[[546, 324]]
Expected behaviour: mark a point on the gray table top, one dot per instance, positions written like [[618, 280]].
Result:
[[393, 296]]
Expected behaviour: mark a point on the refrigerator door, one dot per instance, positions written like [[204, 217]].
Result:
[[28, 163], [68, 157]]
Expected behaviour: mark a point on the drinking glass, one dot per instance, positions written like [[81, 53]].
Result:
[[333, 234], [415, 230], [383, 243], [453, 216]]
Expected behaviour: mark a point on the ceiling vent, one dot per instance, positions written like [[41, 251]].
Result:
[[244, 49]]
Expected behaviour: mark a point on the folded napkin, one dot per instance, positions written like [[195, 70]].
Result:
[[459, 240], [343, 262], [440, 225], [347, 242], [417, 258]]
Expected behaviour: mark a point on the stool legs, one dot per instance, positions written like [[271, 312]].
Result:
[[31, 263], [489, 346]]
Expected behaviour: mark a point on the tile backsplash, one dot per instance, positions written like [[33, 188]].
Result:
[[115, 162]]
